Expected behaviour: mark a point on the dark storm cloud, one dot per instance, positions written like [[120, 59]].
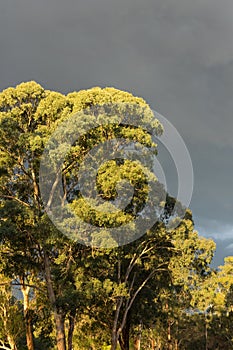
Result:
[[177, 54]]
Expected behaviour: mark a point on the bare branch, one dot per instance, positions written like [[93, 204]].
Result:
[[17, 199], [131, 300]]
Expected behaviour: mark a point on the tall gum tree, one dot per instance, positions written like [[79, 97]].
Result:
[[29, 115]]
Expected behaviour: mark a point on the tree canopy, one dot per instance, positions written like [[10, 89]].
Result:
[[83, 284]]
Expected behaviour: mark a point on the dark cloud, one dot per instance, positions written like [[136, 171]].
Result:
[[176, 54]]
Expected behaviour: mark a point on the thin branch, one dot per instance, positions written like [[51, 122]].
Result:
[[53, 190], [134, 296], [22, 284], [17, 199], [135, 258], [119, 271]]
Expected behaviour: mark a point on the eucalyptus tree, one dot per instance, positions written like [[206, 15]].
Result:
[[35, 249], [22, 136]]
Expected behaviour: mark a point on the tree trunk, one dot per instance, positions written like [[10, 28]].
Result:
[[29, 332], [114, 341], [71, 329], [115, 330], [11, 343], [27, 315], [60, 330], [58, 316], [137, 343], [124, 337]]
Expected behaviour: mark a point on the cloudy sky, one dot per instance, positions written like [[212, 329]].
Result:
[[177, 54]]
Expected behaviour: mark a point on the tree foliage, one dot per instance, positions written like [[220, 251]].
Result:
[[156, 291]]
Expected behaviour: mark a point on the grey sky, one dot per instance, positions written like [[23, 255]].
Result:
[[177, 54]]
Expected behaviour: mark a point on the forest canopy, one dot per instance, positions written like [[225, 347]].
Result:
[[70, 286]]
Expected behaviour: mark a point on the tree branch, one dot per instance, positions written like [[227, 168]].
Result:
[[22, 284], [17, 199], [134, 296], [3, 347]]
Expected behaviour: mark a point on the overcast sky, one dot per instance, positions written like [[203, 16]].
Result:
[[177, 54]]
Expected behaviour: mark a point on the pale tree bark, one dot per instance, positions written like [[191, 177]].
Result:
[[118, 325], [12, 343], [27, 315], [10, 339], [152, 344], [10, 347], [115, 336], [128, 306], [58, 316], [137, 343]]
